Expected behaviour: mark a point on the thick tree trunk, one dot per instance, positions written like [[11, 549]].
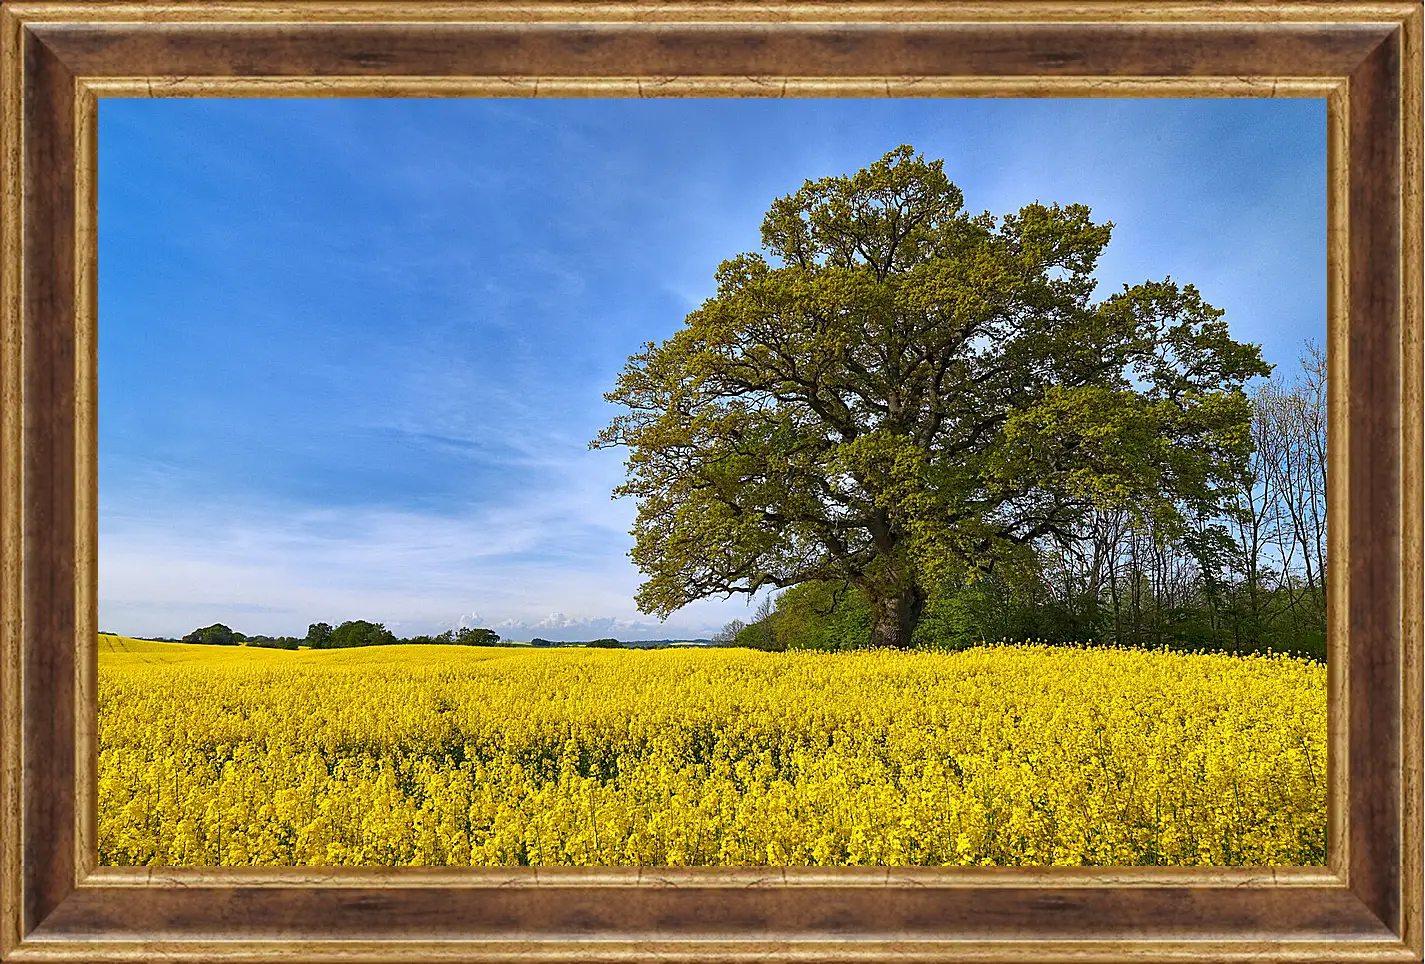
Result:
[[895, 618]]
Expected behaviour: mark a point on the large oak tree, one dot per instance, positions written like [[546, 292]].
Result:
[[899, 392]]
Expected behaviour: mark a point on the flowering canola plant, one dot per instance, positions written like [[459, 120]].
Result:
[[396, 755]]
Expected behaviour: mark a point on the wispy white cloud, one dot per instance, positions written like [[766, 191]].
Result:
[[557, 548]]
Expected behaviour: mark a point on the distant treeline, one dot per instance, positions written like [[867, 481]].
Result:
[[595, 643], [622, 644], [354, 632], [359, 632]]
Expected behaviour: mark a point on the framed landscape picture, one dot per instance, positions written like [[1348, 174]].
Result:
[[711, 482], [353, 360]]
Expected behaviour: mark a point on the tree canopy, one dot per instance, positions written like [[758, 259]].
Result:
[[215, 635], [901, 392], [358, 632]]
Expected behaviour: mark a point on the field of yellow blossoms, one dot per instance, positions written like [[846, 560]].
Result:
[[458, 755]]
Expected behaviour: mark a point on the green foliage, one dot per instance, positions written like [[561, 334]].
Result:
[[273, 642], [464, 636], [829, 616], [823, 616], [359, 632], [604, 644], [902, 395], [362, 633], [468, 636], [215, 635], [759, 635]]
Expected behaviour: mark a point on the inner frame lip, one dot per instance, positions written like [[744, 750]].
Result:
[[764, 878]]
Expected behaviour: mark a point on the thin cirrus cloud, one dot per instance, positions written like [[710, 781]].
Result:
[[352, 352]]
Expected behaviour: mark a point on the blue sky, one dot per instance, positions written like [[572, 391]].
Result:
[[351, 352]]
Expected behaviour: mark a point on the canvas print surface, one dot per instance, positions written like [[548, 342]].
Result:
[[712, 482]]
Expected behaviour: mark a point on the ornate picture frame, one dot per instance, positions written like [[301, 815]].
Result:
[[57, 58]]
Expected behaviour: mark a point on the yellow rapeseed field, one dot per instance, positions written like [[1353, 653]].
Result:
[[455, 755]]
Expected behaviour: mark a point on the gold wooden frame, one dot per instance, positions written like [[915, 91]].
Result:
[[57, 57]]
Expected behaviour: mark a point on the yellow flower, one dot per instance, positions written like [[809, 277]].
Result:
[[460, 755]]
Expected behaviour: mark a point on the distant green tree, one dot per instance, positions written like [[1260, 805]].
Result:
[[318, 635], [467, 636], [273, 642], [542, 642], [604, 644], [359, 632], [214, 635]]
